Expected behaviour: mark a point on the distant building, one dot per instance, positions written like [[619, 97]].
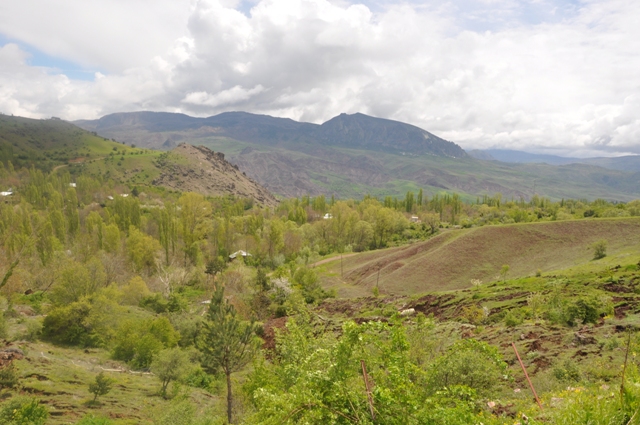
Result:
[[72, 185], [239, 253], [327, 216], [8, 193], [415, 219]]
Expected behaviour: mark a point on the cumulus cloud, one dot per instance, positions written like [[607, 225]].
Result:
[[546, 75]]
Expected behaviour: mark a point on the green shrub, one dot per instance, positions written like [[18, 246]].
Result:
[[599, 249], [473, 364], [8, 376], [567, 372], [198, 378], [514, 318], [137, 342], [4, 332], [33, 330], [156, 303], [159, 304], [23, 411], [584, 310], [307, 281], [90, 419], [66, 325]]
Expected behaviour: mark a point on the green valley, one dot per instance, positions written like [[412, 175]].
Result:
[[168, 288]]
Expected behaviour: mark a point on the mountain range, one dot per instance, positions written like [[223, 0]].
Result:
[[357, 131], [620, 163], [352, 155]]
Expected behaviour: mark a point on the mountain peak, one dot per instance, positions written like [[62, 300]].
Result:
[[362, 131]]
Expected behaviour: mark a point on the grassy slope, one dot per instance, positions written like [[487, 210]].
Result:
[[49, 143], [132, 170], [450, 260], [596, 351], [60, 378]]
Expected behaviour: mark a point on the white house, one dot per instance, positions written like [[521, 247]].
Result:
[[240, 253], [8, 193]]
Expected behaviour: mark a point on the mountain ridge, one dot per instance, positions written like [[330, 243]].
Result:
[[629, 163], [292, 159], [358, 131]]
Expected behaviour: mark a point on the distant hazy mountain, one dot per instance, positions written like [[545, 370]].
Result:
[[621, 163], [506, 155], [480, 154], [357, 131]]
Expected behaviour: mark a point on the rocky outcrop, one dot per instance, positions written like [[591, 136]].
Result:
[[190, 168]]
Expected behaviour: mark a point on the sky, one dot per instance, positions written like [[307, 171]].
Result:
[[548, 76]]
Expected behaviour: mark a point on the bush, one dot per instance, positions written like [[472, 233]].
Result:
[[94, 420], [66, 325], [583, 310], [567, 372], [33, 330], [307, 280], [8, 376], [137, 342], [599, 249], [135, 291], [3, 326], [23, 411], [470, 363], [89, 322], [198, 378], [159, 304], [474, 314], [514, 318]]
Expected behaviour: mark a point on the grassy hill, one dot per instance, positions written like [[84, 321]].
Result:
[[54, 144], [49, 143], [451, 259]]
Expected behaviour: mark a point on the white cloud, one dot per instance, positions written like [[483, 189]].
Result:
[[112, 35], [232, 96], [547, 75]]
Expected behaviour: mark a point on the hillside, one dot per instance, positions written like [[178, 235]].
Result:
[[55, 144], [208, 173], [185, 168], [355, 155], [451, 259], [48, 143]]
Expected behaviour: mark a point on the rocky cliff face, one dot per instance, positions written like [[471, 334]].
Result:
[[199, 169]]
